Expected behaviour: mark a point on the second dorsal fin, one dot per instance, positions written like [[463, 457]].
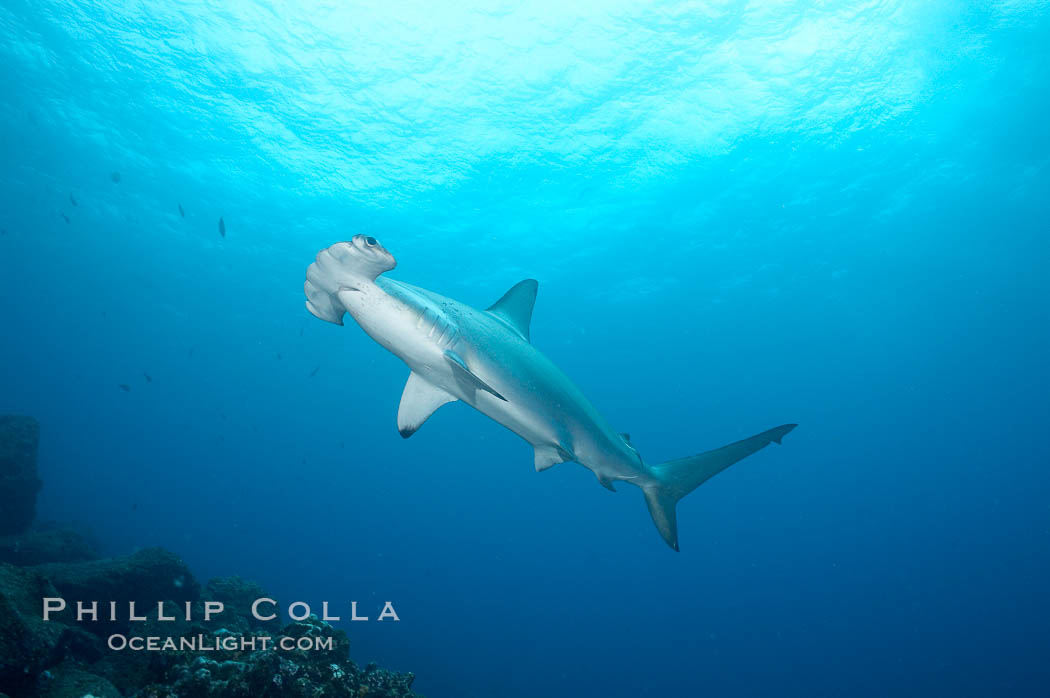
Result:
[[515, 307]]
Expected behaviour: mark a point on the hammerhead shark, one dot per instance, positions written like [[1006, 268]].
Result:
[[485, 359]]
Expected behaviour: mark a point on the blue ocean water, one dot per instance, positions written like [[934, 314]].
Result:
[[740, 214]]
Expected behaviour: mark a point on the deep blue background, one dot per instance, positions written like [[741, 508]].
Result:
[[741, 214]]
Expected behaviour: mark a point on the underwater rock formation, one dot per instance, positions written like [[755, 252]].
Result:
[[273, 674], [63, 657], [69, 680], [145, 577], [67, 658], [38, 547], [27, 644], [19, 484], [237, 593]]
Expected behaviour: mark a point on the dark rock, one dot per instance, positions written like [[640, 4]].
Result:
[[68, 680], [39, 547], [28, 644], [275, 673], [237, 596], [79, 643], [63, 657], [128, 671], [19, 484], [146, 577]]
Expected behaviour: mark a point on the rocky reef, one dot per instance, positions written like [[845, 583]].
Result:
[[19, 438], [67, 657]]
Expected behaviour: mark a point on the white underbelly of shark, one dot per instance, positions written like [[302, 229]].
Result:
[[485, 359]]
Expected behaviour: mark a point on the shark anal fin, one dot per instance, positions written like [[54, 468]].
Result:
[[549, 455], [515, 307], [459, 368], [626, 436], [420, 400]]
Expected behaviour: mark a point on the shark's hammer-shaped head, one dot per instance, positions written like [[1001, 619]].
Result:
[[364, 255], [343, 265]]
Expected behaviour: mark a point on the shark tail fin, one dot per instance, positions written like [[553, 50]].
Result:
[[677, 478]]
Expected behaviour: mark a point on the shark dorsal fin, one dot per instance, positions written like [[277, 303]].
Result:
[[418, 402], [515, 308]]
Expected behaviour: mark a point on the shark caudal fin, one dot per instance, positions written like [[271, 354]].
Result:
[[677, 478]]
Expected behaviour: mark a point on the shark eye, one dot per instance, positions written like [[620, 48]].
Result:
[[371, 241]]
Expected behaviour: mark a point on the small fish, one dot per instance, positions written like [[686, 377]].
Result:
[[149, 379], [3, 231], [181, 212], [278, 356], [134, 506], [125, 387], [300, 331], [316, 369], [192, 349], [115, 176], [64, 217], [222, 227], [72, 200]]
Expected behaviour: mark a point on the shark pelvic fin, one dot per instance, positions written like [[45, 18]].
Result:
[[515, 307], [549, 455], [418, 402], [464, 374]]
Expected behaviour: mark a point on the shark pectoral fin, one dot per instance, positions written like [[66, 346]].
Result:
[[606, 483], [420, 400], [462, 373], [549, 455], [515, 307]]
